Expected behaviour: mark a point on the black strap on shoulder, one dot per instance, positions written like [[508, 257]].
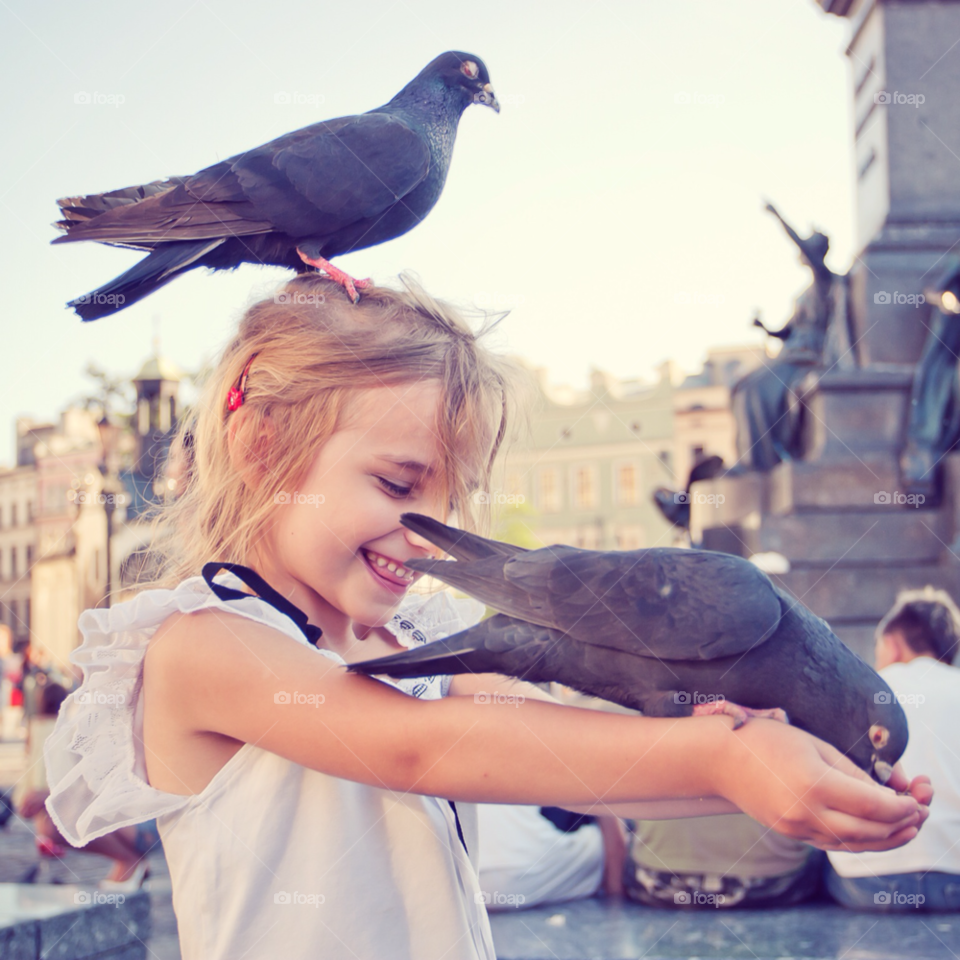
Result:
[[264, 591], [456, 816], [268, 594]]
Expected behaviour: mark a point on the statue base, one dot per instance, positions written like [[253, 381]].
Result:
[[842, 516]]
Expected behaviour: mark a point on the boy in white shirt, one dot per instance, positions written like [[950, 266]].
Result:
[[916, 645]]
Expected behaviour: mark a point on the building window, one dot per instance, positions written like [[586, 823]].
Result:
[[584, 488], [13, 563], [26, 614], [13, 514], [628, 485], [549, 490], [515, 487], [29, 511], [14, 619], [29, 556]]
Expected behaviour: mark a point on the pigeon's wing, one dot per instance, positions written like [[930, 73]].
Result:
[[164, 216], [668, 603], [663, 603], [357, 173], [309, 183]]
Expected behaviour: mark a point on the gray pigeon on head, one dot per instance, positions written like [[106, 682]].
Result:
[[670, 632]]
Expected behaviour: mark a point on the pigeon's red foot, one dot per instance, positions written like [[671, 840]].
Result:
[[740, 714], [344, 279]]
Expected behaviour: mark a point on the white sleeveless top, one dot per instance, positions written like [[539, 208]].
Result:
[[271, 859]]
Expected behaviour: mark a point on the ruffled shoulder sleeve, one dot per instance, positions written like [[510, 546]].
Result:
[[423, 618], [94, 756]]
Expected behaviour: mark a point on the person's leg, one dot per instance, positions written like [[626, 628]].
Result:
[[119, 846], [941, 892], [147, 837], [893, 893], [789, 888]]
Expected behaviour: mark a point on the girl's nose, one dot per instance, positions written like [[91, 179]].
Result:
[[421, 543]]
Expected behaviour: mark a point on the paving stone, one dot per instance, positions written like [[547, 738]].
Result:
[[601, 930]]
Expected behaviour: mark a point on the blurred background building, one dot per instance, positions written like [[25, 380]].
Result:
[[72, 510]]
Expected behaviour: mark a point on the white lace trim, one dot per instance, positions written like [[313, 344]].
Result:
[[94, 757]]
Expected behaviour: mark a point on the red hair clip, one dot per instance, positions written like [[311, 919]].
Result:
[[235, 396]]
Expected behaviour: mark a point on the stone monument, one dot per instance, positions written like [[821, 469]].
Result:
[[844, 509]]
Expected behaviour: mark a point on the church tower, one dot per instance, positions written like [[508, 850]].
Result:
[[157, 412]]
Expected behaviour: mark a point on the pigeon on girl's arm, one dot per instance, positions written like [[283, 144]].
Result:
[[670, 632]]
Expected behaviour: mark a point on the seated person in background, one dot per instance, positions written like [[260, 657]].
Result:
[[535, 855], [729, 861], [916, 644]]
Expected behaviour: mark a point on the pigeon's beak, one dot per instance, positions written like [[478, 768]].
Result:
[[882, 771], [487, 97]]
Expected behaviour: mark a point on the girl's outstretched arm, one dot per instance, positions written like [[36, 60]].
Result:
[[216, 672], [491, 685]]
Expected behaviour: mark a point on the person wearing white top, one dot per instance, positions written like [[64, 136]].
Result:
[[531, 856], [916, 645]]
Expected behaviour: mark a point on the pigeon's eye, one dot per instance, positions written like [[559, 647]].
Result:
[[879, 735], [469, 69]]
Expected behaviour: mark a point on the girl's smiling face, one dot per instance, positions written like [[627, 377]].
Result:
[[338, 534]]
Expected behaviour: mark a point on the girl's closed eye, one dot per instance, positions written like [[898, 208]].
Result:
[[395, 489]]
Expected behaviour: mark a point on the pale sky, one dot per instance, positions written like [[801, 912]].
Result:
[[615, 204]]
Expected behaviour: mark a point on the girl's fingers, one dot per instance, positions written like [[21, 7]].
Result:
[[835, 827], [921, 790], [864, 799], [898, 839]]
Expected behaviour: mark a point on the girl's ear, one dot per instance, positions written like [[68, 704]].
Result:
[[249, 440]]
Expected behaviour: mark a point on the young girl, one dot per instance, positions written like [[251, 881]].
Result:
[[308, 812]]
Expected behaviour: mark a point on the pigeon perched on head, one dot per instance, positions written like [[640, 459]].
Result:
[[670, 632], [328, 189]]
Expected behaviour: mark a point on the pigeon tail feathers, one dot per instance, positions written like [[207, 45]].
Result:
[[152, 272]]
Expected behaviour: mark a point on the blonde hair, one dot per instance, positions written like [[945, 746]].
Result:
[[314, 350]]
